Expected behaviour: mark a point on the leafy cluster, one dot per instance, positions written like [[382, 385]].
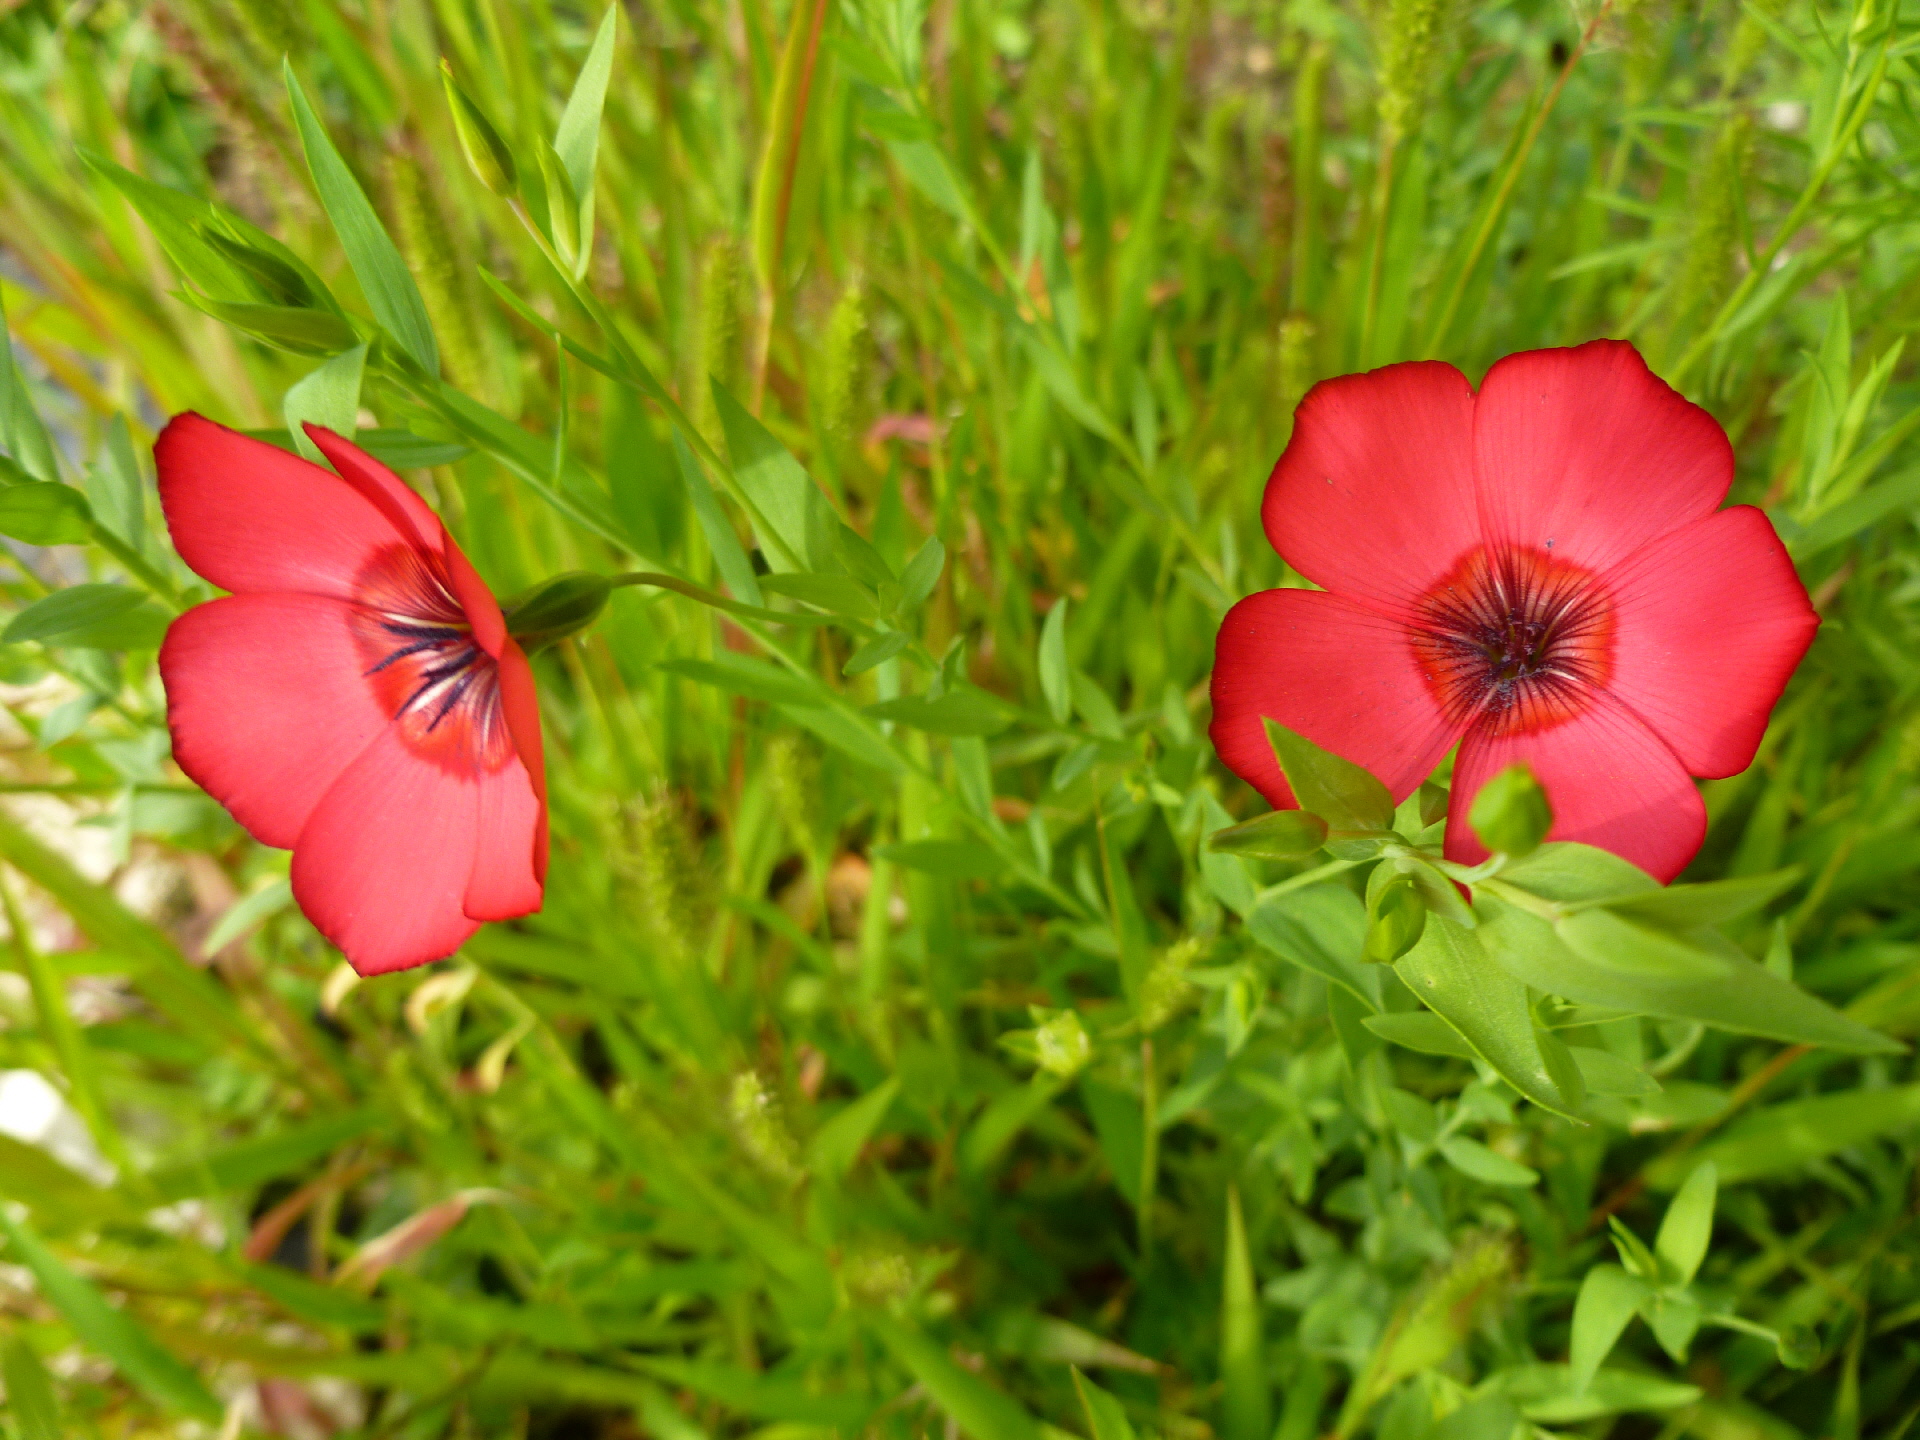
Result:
[[923, 1033]]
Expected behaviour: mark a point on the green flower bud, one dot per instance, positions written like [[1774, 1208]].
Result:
[[557, 608], [1396, 915], [486, 152], [1511, 814], [563, 208]]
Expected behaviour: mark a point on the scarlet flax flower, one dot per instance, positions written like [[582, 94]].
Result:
[[1539, 573], [357, 698]]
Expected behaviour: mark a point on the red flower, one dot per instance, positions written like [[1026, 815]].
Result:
[[357, 698], [1540, 573]]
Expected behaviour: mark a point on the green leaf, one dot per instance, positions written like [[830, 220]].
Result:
[[117, 489], [962, 710], [376, 263], [1320, 928], [30, 1397], [1053, 664], [45, 513], [90, 617], [1246, 1402], [855, 552], [1546, 1394], [1277, 835], [577, 141], [728, 557], [744, 675], [299, 332], [1339, 791], [922, 574], [794, 519], [1722, 987], [1453, 975], [21, 433], [1106, 1419], [1713, 903], [976, 1407], [245, 913], [877, 651], [1490, 1167], [112, 1333], [1511, 814], [1790, 1137], [949, 859], [1605, 1073], [1606, 1304], [838, 594], [837, 1144], [328, 397], [1420, 1030], [1688, 1226]]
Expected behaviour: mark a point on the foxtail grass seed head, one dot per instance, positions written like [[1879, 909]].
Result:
[[793, 774], [435, 261], [842, 349], [716, 329], [1411, 52], [759, 1124], [1166, 990], [667, 875]]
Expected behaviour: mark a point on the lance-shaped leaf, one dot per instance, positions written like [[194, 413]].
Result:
[[1336, 789], [376, 262], [576, 143], [1278, 835], [1451, 972], [1606, 1305], [1693, 976], [328, 397]]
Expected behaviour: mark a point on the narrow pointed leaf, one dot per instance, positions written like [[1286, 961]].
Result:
[[376, 262]]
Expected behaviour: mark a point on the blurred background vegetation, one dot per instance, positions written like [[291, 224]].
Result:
[[913, 1070]]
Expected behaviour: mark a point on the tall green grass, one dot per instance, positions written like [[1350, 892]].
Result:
[[913, 1070]]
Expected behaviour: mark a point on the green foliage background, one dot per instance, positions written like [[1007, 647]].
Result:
[[914, 1070]]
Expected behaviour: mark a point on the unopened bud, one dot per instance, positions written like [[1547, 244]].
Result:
[[557, 608], [486, 152], [1511, 814], [1396, 916]]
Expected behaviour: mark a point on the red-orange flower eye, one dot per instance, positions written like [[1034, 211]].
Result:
[[429, 672], [1517, 639]]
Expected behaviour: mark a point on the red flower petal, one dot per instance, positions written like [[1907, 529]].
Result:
[[410, 515], [267, 705], [1612, 781], [483, 611], [1335, 672], [249, 516], [1587, 454], [510, 854], [1374, 497], [383, 864], [1711, 620]]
